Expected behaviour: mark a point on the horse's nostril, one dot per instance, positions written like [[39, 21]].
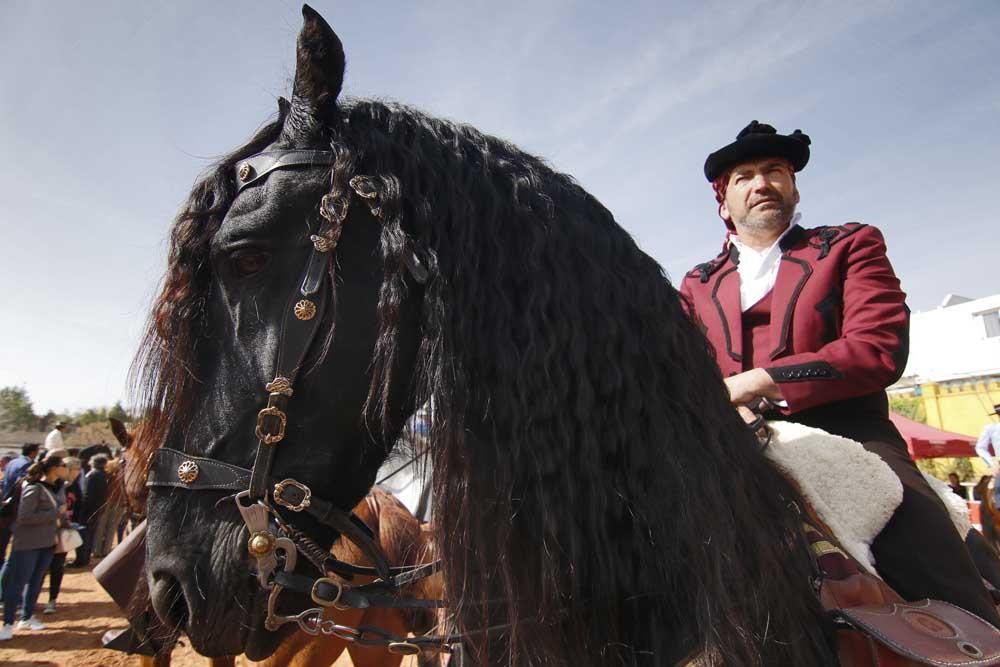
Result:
[[168, 600]]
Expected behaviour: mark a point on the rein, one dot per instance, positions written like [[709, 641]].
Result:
[[274, 542]]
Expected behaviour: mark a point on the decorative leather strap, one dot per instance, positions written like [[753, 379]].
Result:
[[376, 594], [303, 315], [169, 465], [256, 167], [213, 475]]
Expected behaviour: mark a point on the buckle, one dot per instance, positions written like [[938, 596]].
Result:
[[314, 593], [284, 485], [403, 648], [266, 436]]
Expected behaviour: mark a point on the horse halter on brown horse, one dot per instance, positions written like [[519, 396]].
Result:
[[256, 493]]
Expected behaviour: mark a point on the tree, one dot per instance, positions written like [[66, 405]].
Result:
[[911, 407], [119, 413], [16, 411]]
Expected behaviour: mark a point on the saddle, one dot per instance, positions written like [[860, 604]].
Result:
[[874, 625]]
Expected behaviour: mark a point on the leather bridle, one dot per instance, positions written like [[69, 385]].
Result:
[[273, 541]]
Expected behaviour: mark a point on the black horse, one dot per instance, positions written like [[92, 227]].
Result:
[[597, 499]]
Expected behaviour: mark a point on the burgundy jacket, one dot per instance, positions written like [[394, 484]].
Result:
[[839, 330]]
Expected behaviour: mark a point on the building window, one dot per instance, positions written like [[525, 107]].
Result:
[[991, 320]]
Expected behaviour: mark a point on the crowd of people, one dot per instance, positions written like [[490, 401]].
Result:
[[56, 507]]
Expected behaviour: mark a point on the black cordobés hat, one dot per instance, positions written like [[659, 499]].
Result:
[[755, 141]]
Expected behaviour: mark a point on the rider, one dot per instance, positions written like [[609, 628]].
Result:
[[814, 320]]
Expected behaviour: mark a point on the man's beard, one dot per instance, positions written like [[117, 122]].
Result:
[[770, 219]]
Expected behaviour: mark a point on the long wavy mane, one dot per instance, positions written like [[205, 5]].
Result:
[[596, 495], [597, 499]]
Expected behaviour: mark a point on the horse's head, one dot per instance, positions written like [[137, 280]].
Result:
[[277, 267]]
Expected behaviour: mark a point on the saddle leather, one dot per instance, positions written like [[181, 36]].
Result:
[[929, 632], [876, 628]]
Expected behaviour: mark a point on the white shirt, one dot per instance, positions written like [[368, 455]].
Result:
[[54, 440], [988, 445], [758, 270]]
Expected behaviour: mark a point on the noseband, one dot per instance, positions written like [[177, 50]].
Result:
[[272, 541]]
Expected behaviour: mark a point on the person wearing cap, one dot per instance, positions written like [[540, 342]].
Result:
[[811, 325], [989, 442], [54, 440]]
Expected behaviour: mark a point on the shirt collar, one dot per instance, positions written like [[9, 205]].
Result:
[[743, 248]]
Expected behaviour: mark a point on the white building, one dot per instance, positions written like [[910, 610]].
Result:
[[958, 340]]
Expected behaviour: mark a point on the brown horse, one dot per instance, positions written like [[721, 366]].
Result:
[[403, 540], [989, 516]]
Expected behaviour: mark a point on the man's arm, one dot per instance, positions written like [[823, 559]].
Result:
[[871, 352]]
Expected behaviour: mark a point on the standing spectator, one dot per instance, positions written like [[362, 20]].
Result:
[[956, 485], [110, 516], [95, 496], [54, 440], [12, 475], [4, 460], [67, 497], [989, 441], [74, 492], [34, 541]]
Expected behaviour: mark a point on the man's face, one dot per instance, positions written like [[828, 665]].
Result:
[[761, 195]]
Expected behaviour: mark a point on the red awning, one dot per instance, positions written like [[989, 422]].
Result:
[[927, 442]]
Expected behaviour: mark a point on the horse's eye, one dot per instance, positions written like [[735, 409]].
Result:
[[248, 261]]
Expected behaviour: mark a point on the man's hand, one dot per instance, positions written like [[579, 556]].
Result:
[[752, 384]]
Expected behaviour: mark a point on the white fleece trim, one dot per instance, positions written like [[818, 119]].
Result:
[[853, 491], [957, 508]]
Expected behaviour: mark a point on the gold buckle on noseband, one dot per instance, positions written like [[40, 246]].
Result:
[[279, 489]]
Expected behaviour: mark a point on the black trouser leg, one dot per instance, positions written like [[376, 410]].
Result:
[[56, 570], [984, 556], [919, 552]]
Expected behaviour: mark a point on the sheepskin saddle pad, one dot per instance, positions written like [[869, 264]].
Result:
[[853, 491]]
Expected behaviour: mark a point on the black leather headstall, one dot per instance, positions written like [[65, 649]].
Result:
[[255, 492]]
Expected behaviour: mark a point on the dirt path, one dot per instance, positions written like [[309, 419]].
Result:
[[73, 634]]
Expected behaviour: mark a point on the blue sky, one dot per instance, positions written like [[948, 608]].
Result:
[[108, 112]]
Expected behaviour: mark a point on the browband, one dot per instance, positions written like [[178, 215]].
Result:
[[254, 168]]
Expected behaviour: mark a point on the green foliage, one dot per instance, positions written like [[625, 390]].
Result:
[[911, 407], [941, 467], [16, 412], [101, 415]]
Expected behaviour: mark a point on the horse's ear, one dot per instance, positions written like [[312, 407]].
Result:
[[121, 433], [283, 107], [319, 66]]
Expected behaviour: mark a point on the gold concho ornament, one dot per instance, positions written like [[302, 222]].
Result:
[[305, 309], [187, 471], [261, 543], [279, 385], [245, 171]]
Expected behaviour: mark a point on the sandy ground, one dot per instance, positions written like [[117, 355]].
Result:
[[73, 634]]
